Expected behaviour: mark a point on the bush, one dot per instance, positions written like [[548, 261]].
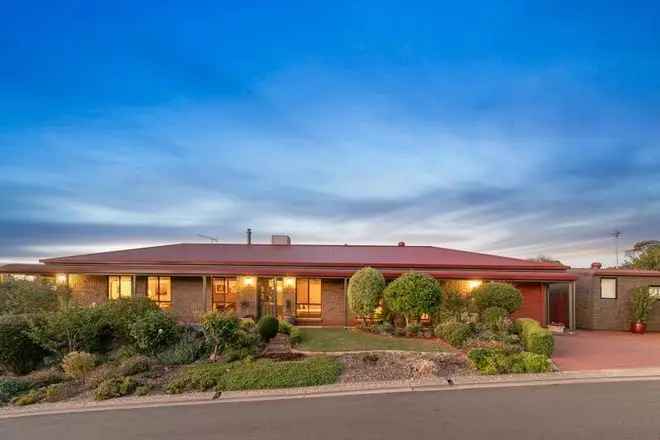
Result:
[[60, 391], [413, 294], [29, 398], [535, 363], [220, 330], [153, 332], [497, 295], [10, 388], [454, 305], [498, 361], [197, 378], [295, 336], [18, 297], [72, 329], [454, 332], [365, 292], [78, 365], [187, 350], [413, 329], [268, 374], [267, 327], [115, 387], [248, 324], [123, 312], [18, 352], [535, 338], [642, 304], [384, 328], [42, 378], [134, 365], [492, 315]]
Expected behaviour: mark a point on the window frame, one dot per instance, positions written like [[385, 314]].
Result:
[[161, 303], [226, 282], [616, 287], [121, 293], [308, 314]]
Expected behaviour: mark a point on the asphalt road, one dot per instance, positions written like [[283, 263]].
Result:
[[629, 410]]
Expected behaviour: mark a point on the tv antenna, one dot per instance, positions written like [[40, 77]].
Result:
[[208, 237], [617, 234]]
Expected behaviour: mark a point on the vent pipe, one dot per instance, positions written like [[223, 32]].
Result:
[[249, 235]]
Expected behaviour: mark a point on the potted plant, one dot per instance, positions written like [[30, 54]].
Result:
[[642, 303]]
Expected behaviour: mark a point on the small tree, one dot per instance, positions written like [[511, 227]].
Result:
[[646, 257], [412, 295], [497, 295], [642, 303], [78, 365], [19, 297], [220, 330], [365, 292]]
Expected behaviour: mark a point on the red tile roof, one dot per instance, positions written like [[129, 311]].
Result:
[[614, 272], [302, 255]]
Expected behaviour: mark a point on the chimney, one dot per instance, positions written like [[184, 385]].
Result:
[[401, 244], [249, 235], [280, 240], [596, 265]]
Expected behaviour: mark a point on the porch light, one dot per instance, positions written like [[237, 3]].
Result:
[[289, 281], [60, 278], [473, 284], [248, 281]]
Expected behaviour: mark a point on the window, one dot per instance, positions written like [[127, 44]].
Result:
[[608, 288], [159, 290], [308, 297], [654, 291], [120, 286], [225, 292]]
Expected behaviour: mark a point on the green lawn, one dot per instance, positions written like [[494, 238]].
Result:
[[338, 339]]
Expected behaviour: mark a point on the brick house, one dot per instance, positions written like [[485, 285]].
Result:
[[305, 282], [603, 297]]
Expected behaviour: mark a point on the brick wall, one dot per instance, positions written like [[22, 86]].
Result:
[[188, 298], [598, 313], [533, 305], [89, 290]]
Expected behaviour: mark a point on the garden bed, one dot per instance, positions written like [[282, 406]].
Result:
[[341, 340]]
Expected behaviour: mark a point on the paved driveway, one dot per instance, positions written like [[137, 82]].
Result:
[[593, 350]]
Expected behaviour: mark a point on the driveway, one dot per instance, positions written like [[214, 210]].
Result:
[[594, 350]]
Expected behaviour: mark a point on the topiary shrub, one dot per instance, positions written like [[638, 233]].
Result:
[[365, 292], [497, 295], [115, 387], [18, 352], [153, 332], [267, 327], [412, 295], [456, 333], [535, 338], [220, 330], [78, 365]]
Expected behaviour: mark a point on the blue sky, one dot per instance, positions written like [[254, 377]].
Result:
[[512, 128]]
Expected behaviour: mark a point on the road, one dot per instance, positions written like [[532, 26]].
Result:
[[585, 411]]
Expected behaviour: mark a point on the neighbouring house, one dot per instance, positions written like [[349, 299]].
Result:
[[603, 297], [306, 282]]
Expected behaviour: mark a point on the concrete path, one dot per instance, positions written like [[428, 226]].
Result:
[[604, 411], [591, 350]]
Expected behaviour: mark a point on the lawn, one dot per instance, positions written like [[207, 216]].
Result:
[[338, 339]]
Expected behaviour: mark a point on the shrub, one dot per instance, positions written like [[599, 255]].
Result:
[[134, 365], [72, 329], [497, 295], [42, 378], [78, 365], [295, 336], [454, 332], [248, 324], [365, 292], [413, 329], [535, 338], [10, 388], [143, 390], [199, 377], [60, 391], [493, 315], [18, 352], [642, 303], [187, 350], [18, 297], [30, 398], [220, 330], [413, 294], [384, 328], [267, 327], [115, 387], [454, 305], [123, 312], [535, 363], [153, 331], [268, 374]]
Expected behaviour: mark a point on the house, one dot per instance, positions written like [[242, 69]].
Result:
[[603, 297], [307, 282]]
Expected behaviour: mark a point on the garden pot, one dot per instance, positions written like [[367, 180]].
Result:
[[638, 327]]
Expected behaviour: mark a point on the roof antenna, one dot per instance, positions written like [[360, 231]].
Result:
[[617, 234], [208, 237], [249, 235]]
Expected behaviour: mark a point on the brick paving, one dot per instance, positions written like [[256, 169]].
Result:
[[595, 350]]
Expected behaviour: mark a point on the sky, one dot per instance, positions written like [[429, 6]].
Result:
[[515, 128]]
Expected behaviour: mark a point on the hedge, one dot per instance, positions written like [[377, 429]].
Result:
[[535, 338]]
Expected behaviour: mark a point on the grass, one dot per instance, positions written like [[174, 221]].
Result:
[[257, 375], [338, 339]]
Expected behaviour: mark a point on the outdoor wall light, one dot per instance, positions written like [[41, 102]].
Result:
[[248, 281], [473, 284], [289, 281], [60, 278]]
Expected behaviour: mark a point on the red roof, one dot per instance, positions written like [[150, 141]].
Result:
[[614, 272], [308, 255]]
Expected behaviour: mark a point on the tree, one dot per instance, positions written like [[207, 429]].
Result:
[[412, 295], [365, 292], [645, 255], [19, 297], [497, 295]]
